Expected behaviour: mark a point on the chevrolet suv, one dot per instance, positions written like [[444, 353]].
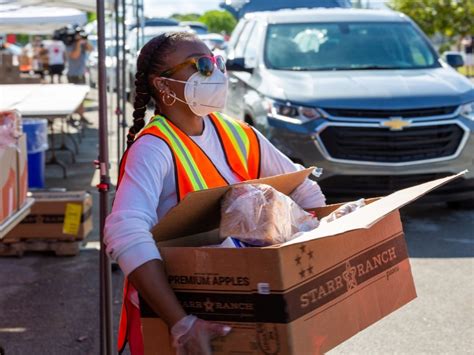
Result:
[[360, 93]]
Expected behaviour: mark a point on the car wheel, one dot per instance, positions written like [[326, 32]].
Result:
[[462, 204]]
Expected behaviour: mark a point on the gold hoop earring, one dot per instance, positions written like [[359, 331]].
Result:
[[169, 96]]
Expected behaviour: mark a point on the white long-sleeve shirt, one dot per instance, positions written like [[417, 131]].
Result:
[[147, 192]]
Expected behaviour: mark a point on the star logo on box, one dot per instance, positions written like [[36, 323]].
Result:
[[350, 276], [208, 305], [304, 261]]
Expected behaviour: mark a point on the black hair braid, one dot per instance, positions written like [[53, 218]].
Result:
[[149, 64]]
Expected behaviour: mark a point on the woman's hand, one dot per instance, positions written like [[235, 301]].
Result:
[[192, 336]]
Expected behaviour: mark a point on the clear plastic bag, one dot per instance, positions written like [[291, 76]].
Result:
[[343, 210], [259, 215], [10, 128]]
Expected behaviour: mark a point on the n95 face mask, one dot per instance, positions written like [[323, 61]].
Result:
[[205, 94]]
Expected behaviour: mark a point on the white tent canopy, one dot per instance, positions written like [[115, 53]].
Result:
[[37, 19], [84, 5]]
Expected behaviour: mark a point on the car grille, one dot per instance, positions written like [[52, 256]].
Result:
[[412, 113], [379, 145]]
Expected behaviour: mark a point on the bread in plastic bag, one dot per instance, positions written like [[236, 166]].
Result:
[[259, 215], [343, 210]]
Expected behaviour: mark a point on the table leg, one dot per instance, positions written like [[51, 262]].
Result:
[[54, 160], [71, 137], [63, 145]]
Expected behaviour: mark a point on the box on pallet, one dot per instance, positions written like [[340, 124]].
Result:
[[302, 297], [64, 216], [13, 177]]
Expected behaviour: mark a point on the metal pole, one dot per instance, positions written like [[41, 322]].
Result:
[[124, 79], [106, 325], [117, 78], [142, 24], [137, 23]]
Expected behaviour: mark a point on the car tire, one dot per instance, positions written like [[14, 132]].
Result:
[[461, 204]]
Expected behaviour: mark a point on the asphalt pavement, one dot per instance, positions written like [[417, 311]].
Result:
[[50, 305]]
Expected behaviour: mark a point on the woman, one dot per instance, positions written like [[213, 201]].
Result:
[[187, 146]]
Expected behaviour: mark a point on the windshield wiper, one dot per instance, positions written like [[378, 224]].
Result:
[[373, 67], [368, 67]]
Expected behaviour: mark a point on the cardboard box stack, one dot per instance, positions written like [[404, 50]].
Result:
[[302, 297], [55, 216], [10, 73], [13, 163]]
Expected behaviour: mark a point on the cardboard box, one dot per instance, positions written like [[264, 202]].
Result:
[[302, 297], [13, 178], [56, 216]]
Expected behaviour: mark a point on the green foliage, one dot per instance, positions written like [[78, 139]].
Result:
[[91, 16], [450, 18], [22, 39], [218, 21], [186, 17]]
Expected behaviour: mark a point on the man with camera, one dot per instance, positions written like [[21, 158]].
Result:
[[77, 59]]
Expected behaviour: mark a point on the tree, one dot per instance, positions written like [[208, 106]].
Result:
[[185, 17], [218, 21], [452, 19]]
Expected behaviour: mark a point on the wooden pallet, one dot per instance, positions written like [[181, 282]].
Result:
[[60, 248]]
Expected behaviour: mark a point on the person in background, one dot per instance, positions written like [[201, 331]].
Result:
[[44, 58], [468, 43], [56, 59], [77, 54], [37, 63]]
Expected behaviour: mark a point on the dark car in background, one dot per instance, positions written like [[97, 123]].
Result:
[[360, 93]]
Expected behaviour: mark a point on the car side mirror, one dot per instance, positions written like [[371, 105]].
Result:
[[454, 59], [237, 64]]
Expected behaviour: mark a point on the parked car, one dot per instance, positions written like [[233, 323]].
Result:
[[215, 42], [110, 64], [360, 93], [134, 50], [198, 27], [239, 8], [156, 21]]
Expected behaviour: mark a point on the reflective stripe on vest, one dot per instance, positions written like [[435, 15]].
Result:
[[181, 151], [193, 171], [240, 144]]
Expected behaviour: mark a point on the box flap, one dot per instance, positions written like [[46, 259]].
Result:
[[372, 213], [200, 211]]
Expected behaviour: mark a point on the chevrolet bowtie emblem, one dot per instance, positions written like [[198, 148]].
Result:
[[396, 124]]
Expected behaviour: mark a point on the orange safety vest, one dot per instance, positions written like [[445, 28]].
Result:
[[193, 171]]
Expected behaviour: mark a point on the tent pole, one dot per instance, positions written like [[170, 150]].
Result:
[[124, 73], [137, 22], [117, 79], [142, 23], [106, 326]]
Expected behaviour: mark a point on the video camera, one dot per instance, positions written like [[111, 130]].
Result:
[[68, 34]]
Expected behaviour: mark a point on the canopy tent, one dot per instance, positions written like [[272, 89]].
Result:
[[84, 5], [37, 19]]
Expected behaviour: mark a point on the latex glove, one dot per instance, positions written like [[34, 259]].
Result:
[[192, 336]]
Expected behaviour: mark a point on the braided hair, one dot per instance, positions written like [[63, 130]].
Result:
[[150, 63]]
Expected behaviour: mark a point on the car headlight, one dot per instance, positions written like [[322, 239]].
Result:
[[467, 110], [288, 112]]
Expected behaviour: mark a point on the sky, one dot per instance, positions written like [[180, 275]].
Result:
[[165, 8]]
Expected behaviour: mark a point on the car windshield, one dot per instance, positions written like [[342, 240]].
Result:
[[347, 46]]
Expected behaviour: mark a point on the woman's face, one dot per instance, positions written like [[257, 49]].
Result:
[[185, 50]]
